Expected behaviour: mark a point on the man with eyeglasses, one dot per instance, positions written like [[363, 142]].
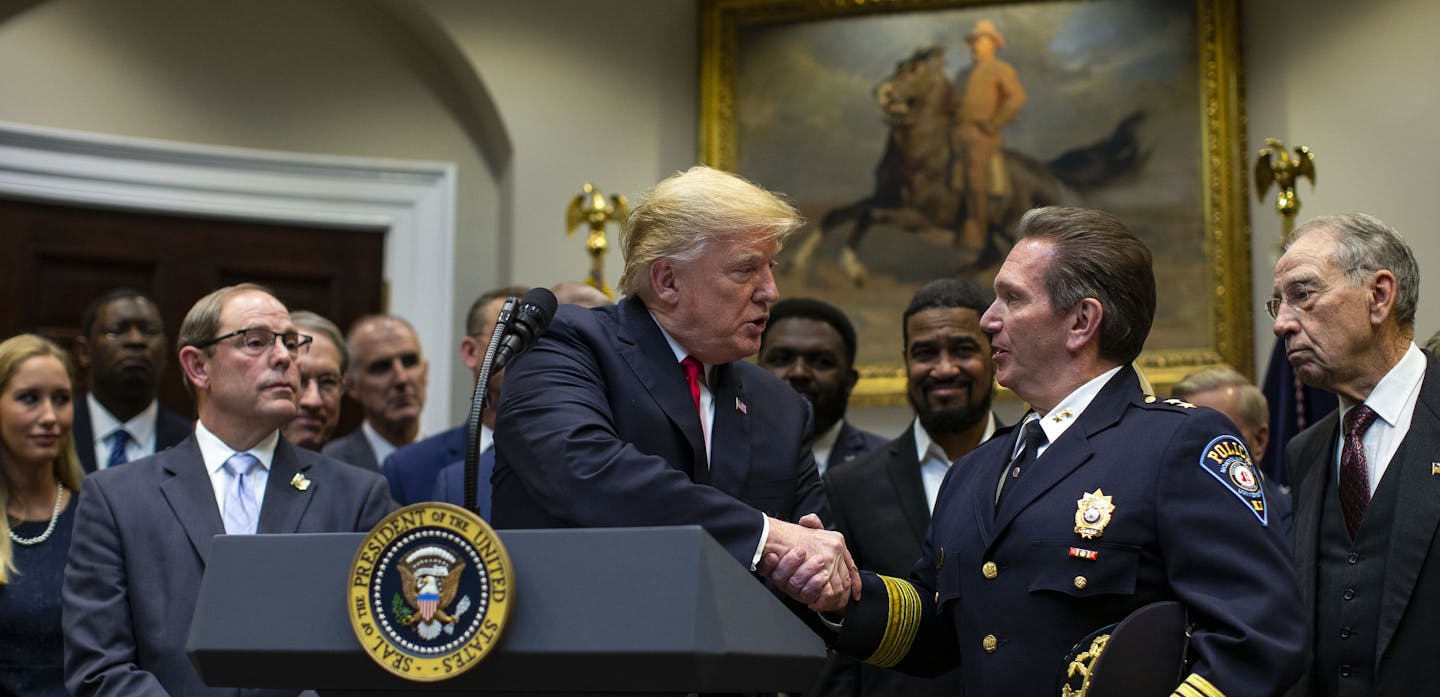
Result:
[[413, 470], [122, 346], [143, 531], [387, 377], [1366, 478], [321, 386]]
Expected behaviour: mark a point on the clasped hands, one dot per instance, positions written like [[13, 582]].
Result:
[[810, 564]]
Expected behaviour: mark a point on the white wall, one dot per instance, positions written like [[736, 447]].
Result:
[[602, 91], [605, 91], [1355, 82]]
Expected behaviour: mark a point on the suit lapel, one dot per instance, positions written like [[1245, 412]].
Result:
[[644, 348], [1417, 510], [730, 465], [1318, 450], [1072, 450], [284, 504], [903, 468], [191, 497]]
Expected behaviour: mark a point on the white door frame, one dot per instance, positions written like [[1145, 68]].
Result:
[[412, 203]]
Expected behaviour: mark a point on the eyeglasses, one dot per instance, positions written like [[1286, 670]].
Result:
[[256, 341], [328, 383], [1301, 296]]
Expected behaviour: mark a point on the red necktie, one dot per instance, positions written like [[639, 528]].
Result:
[[692, 376], [1354, 477]]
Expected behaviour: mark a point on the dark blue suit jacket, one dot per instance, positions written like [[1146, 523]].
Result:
[[450, 483], [596, 428], [851, 443], [170, 428], [142, 535], [411, 470], [1176, 532]]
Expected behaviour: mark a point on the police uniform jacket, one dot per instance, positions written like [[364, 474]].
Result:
[[1007, 593]]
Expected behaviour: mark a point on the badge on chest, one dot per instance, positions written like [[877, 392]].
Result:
[[1093, 514]]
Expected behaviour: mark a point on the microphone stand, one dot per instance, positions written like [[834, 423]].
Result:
[[478, 402]]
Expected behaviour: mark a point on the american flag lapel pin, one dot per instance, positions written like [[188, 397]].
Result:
[[740, 406]]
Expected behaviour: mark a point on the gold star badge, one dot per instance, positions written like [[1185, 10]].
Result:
[[1093, 514]]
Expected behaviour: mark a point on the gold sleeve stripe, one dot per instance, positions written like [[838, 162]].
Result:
[[1185, 691], [902, 624], [1197, 686]]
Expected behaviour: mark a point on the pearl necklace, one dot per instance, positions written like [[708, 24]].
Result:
[[54, 516]]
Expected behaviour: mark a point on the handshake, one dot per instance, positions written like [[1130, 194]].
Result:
[[810, 564]]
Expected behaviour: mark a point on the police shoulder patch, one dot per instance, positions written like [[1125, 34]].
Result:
[[1227, 460]]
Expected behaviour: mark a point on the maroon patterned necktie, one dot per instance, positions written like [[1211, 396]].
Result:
[[1354, 477], [692, 375]]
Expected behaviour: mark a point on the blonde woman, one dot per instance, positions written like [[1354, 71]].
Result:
[[39, 475]]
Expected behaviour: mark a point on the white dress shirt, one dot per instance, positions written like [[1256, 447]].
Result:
[[934, 463], [215, 452], [103, 425], [1393, 400]]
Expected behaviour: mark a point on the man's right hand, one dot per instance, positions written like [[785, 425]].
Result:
[[810, 564]]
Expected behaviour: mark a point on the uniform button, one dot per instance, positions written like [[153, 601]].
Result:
[[1344, 632], [1353, 558], [990, 570], [1349, 594], [1080, 582], [989, 643], [1345, 671], [1149, 399]]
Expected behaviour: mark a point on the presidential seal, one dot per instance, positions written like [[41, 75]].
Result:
[[429, 591]]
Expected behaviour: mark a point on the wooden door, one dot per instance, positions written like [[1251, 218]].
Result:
[[57, 259]]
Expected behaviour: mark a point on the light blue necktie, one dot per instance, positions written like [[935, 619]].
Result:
[[118, 442], [241, 510]]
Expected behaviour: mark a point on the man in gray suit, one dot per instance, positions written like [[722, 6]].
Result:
[[1366, 478], [143, 531], [387, 376]]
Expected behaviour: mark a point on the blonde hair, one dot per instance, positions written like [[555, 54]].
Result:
[[13, 353], [692, 209]]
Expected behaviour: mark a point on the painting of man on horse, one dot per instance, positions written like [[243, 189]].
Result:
[[912, 142], [927, 182]]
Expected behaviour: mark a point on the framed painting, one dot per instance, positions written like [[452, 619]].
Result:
[[912, 134]]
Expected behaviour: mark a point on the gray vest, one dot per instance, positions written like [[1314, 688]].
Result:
[[1349, 583]]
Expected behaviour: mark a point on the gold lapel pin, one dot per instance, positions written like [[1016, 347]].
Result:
[[300, 481], [1435, 469]]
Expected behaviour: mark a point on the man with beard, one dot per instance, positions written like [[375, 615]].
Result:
[[122, 344], [810, 344], [882, 501]]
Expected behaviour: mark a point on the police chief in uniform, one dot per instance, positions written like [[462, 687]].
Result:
[[1132, 500]]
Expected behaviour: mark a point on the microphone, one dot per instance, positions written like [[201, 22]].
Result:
[[537, 308]]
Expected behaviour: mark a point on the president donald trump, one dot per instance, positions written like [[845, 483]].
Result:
[[643, 413]]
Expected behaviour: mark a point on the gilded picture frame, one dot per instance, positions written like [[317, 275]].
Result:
[[791, 97]]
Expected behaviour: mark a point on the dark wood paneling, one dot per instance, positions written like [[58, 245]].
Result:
[[59, 258]]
